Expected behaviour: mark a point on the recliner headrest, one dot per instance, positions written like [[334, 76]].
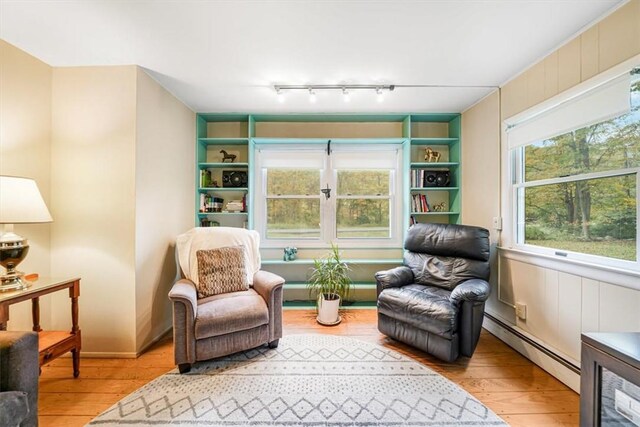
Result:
[[451, 240]]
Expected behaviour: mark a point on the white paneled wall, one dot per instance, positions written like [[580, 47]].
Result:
[[561, 305]]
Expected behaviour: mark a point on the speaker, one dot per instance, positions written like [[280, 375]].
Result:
[[234, 178], [436, 178]]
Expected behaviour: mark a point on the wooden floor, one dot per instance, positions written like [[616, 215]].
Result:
[[517, 390]]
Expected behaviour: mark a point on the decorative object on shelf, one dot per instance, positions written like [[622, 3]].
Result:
[[206, 222], [234, 178], [436, 178], [215, 184], [208, 203], [290, 253], [20, 203], [226, 156], [430, 155], [329, 284], [235, 206], [440, 207], [205, 178]]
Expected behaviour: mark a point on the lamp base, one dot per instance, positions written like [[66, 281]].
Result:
[[13, 282]]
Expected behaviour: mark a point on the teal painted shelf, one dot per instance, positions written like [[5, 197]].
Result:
[[434, 141], [364, 261], [435, 188], [222, 165], [427, 165], [435, 213], [203, 189], [221, 213], [311, 305], [223, 141], [356, 285]]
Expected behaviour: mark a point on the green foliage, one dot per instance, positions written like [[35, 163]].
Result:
[[330, 277], [595, 210]]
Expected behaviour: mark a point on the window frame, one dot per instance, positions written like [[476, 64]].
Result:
[[512, 237], [328, 207]]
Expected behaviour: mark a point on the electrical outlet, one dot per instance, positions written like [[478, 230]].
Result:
[[521, 311], [497, 223]]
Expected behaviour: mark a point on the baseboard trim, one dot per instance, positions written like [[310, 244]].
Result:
[[554, 364], [155, 340]]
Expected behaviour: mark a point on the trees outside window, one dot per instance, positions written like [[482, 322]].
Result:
[[578, 191]]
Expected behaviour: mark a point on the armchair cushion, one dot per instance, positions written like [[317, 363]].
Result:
[[232, 312], [202, 238], [221, 271], [444, 272], [425, 307]]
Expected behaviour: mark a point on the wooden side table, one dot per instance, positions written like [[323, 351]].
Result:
[[52, 344]]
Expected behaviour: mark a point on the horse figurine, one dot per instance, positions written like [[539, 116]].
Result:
[[226, 156], [430, 155], [440, 207]]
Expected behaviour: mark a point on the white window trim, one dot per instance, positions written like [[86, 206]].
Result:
[[328, 207], [510, 175]]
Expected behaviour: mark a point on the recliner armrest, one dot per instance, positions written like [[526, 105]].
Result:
[[265, 283], [474, 290], [184, 290], [394, 278]]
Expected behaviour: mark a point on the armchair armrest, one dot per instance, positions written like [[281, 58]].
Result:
[[185, 308], [394, 278], [473, 290], [184, 291], [269, 287]]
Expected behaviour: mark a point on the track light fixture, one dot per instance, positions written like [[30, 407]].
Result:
[[346, 95]]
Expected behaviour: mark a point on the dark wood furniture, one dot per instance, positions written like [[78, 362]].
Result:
[[610, 379], [51, 344]]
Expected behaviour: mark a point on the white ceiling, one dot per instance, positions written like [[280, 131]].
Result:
[[226, 55]]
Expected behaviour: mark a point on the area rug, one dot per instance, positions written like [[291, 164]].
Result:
[[309, 380]]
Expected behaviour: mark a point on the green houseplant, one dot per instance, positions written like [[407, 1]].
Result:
[[329, 283]]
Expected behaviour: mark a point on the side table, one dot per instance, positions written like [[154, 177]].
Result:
[[52, 344]]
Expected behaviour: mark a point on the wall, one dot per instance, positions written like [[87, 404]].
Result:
[[164, 180], [93, 196], [25, 140], [561, 301]]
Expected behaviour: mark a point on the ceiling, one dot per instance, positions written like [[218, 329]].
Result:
[[227, 55]]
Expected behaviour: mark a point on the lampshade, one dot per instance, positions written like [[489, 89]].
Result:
[[21, 202]]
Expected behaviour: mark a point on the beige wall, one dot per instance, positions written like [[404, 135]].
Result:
[[93, 193], [165, 153], [25, 150], [613, 40]]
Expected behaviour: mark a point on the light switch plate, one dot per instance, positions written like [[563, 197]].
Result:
[[521, 311], [497, 223]]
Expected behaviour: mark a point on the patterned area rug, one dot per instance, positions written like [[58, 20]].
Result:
[[309, 380]]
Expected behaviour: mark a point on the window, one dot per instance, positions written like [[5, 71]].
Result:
[[291, 206], [575, 174]]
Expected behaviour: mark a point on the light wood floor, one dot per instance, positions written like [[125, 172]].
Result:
[[517, 390]]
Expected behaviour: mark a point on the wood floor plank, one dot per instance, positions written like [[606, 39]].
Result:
[[509, 384]]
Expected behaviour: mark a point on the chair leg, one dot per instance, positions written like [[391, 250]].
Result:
[[184, 367], [274, 344]]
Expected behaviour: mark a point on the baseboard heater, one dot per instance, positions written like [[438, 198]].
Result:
[[535, 344]]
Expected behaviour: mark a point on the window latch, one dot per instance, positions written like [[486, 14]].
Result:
[[326, 191]]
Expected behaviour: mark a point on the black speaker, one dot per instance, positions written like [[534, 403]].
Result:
[[436, 179], [234, 178]]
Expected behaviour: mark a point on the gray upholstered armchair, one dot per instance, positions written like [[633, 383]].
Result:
[[226, 323], [435, 301], [19, 370]]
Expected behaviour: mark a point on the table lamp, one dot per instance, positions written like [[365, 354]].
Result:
[[20, 203]]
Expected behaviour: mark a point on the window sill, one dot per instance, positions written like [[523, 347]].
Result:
[[614, 275]]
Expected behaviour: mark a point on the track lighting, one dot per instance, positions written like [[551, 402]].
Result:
[[346, 90]]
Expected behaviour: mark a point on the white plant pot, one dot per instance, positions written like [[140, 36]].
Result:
[[328, 311]]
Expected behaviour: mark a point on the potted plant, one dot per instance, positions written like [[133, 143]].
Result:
[[329, 283]]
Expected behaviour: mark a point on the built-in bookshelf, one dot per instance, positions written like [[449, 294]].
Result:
[[226, 142]]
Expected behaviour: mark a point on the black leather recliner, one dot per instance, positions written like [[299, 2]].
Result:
[[435, 301]]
